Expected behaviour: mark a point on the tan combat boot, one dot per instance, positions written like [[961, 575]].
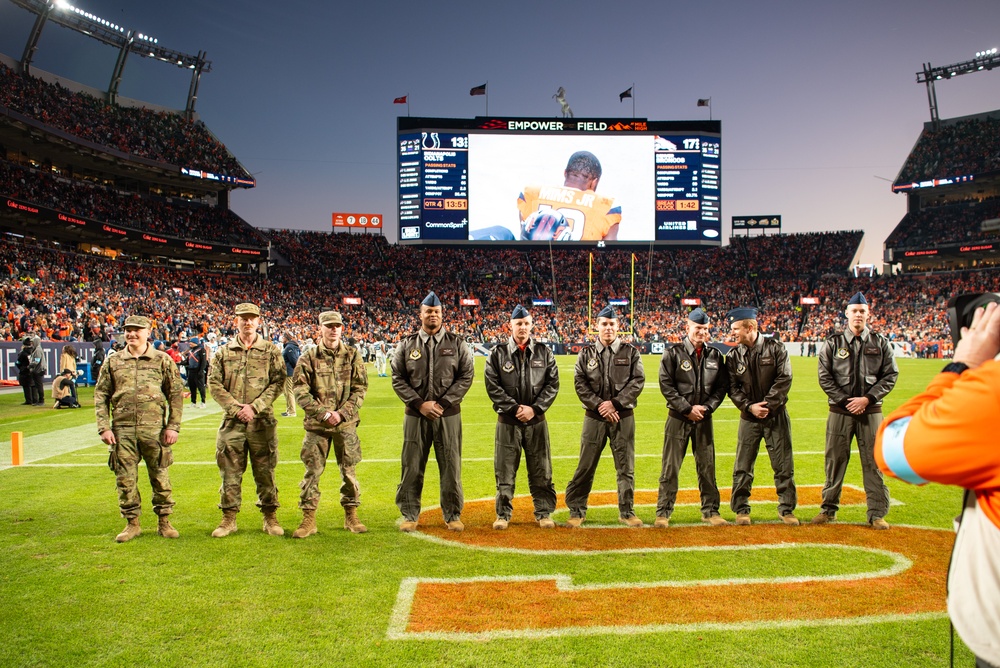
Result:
[[131, 530], [165, 529], [227, 525], [308, 526], [661, 522], [271, 525], [351, 521]]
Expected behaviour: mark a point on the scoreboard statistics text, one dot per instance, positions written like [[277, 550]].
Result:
[[527, 180]]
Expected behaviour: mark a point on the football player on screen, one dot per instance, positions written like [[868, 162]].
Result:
[[572, 212]]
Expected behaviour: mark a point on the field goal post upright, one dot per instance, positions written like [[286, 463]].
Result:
[[590, 296]]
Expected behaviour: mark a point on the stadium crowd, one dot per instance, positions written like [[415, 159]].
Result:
[[154, 135], [148, 213], [954, 222], [964, 147], [62, 295]]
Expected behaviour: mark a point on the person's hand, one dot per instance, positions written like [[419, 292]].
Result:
[[857, 405], [431, 410], [246, 413], [759, 410], [606, 408], [169, 437], [108, 437], [980, 341], [525, 413], [334, 419], [697, 413]]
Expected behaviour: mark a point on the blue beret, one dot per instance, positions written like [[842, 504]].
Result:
[[431, 300], [858, 298], [741, 313], [698, 316], [607, 312], [194, 341], [519, 312]]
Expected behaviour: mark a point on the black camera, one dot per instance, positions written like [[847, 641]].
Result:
[[962, 308]]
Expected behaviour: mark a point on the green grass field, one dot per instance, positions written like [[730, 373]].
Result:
[[72, 596]]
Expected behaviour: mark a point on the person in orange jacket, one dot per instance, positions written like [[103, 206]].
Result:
[[948, 434]]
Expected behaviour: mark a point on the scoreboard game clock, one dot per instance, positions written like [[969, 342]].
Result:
[[573, 181]]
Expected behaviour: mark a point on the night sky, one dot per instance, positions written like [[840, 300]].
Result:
[[818, 101]]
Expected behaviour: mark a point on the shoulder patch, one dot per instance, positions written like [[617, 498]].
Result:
[[686, 365], [508, 366], [592, 363], [741, 367], [843, 353], [415, 354]]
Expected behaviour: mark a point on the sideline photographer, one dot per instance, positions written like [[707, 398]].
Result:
[[947, 434]]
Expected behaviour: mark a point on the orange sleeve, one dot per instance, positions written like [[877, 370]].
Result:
[[947, 434]]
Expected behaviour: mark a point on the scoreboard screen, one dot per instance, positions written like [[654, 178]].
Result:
[[574, 181]]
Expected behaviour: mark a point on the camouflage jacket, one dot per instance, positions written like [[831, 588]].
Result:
[[143, 391], [330, 380], [240, 375]]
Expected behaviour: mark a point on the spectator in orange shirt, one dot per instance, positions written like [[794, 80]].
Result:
[[947, 434]]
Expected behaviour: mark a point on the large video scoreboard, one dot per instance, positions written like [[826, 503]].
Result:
[[573, 181]]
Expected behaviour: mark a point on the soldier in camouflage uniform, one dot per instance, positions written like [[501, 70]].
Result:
[[330, 384], [246, 376], [138, 401]]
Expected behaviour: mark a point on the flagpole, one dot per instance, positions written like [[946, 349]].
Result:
[[709, 108], [487, 97], [633, 99], [407, 105]]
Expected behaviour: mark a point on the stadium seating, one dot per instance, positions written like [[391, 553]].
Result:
[[63, 294], [954, 222], [160, 136], [176, 218], [964, 147]]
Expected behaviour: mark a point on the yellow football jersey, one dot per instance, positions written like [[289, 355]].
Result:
[[590, 214]]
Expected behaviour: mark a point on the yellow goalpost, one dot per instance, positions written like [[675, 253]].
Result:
[[590, 297]]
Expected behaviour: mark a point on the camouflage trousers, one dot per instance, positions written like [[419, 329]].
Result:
[[135, 444], [234, 444], [316, 450]]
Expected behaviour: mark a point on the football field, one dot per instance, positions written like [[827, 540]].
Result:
[[690, 595]]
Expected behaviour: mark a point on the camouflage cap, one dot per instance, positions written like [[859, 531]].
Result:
[[138, 321], [331, 318], [246, 308]]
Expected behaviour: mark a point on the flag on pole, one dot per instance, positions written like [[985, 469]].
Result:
[[625, 94], [400, 100], [705, 102], [478, 90]]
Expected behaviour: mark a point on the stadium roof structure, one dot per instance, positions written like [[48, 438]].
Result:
[[126, 40], [984, 60]]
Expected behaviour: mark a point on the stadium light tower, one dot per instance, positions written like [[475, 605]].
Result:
[[126, 41], [984, 60]]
